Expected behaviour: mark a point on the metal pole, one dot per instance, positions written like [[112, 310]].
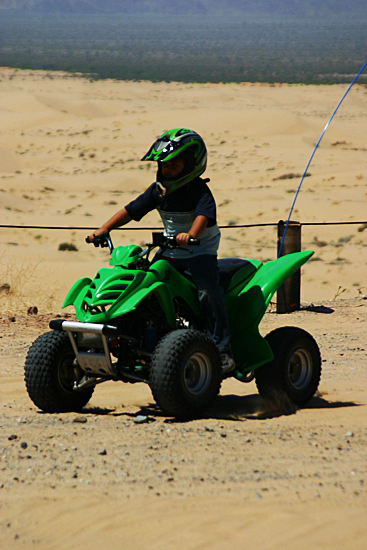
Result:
[[289, 294]]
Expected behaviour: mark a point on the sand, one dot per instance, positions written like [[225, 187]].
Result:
[[69, 156]]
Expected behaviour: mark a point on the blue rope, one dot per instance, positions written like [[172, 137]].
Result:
[[313, 154]]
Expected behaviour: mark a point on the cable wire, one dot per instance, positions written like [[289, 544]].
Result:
[[313, 154]]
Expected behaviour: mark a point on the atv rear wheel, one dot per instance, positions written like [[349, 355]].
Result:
[[50, 372], [296, 367], [185, 374]]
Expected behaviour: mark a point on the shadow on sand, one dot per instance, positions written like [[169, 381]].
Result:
[[254, 407], [239, 408], [318, 309]]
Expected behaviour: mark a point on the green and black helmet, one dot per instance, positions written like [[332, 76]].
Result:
[[183, 143]]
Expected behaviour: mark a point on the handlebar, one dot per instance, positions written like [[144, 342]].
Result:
[[158, 239], [169, 241], [102, 240]]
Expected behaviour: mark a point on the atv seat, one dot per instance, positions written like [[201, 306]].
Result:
[[233, 271]]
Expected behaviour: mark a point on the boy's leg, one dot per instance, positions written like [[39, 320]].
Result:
[[204, 271]]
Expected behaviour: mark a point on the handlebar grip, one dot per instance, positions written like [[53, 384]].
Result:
[[99, 240], [172, 240]]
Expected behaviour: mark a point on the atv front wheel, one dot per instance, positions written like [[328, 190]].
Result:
[[296, 367], [185, 374], [50, 372]]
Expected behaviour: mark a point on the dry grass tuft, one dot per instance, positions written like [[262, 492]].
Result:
[[22, 287]]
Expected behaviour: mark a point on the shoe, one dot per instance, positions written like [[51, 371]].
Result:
[[227, 363]]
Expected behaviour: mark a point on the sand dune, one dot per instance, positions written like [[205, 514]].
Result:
[[70, 153], [85, 109], [69, 156]]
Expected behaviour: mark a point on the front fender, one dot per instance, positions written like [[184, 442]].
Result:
[[160, 291], [75, 291]]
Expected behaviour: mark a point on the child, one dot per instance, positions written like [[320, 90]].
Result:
[[187, 208]]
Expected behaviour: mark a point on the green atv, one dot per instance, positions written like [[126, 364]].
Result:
[[140, 321]]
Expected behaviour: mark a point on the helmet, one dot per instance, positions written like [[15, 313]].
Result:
[[179, 142]]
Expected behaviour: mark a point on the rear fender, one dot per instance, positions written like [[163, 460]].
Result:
[[250, 352], [270, 276], [249, 306], [247, 309]]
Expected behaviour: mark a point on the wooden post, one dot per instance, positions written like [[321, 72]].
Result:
[[289, 294]]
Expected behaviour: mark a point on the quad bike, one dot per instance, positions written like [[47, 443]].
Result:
[[139, 320]]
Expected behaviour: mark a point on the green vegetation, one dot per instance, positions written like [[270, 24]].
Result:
[[68, 246], [187, 49]]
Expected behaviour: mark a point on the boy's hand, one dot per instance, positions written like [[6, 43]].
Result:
[[200, 223], [97, 232], [183, 239], [120, 218]]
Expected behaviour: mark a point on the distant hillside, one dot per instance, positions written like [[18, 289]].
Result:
[[286, 7], [153, 40]]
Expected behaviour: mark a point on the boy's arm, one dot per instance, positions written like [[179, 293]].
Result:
[[120, 218], [200, 223]]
